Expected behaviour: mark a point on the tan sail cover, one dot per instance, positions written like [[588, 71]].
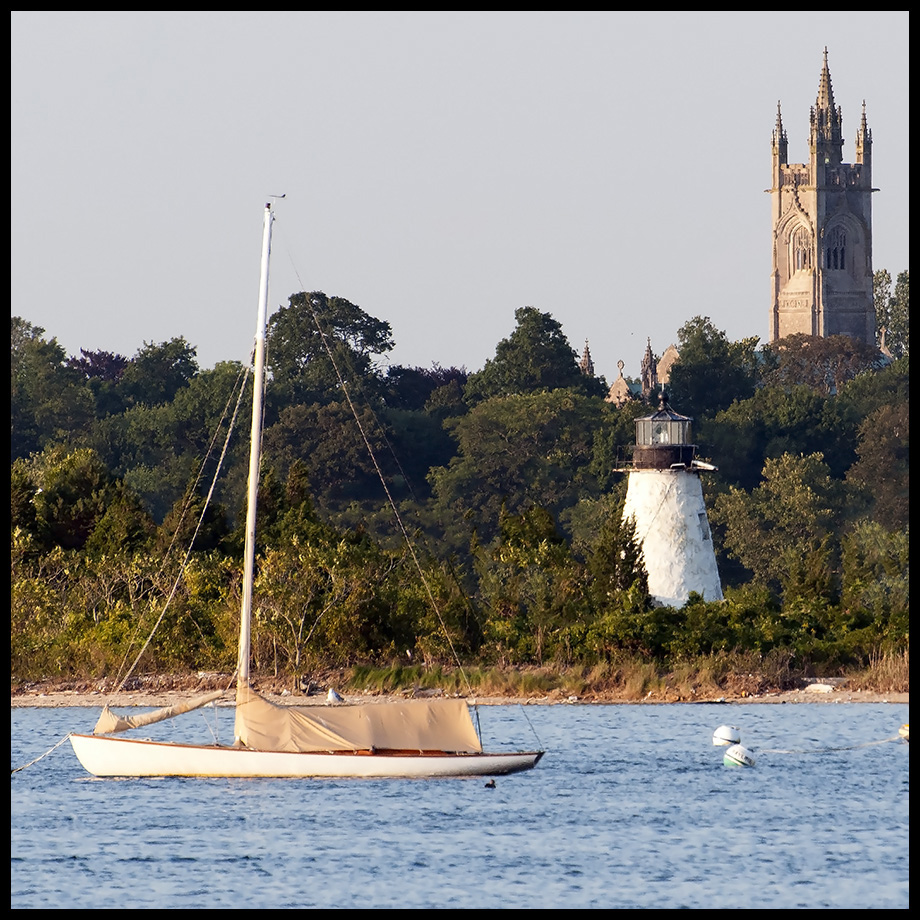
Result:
[[424, 725], [110, 722]]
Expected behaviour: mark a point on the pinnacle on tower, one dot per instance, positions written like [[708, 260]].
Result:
[[780, 142], [826, 120], [863, 139], [825, 88], [586, 365]]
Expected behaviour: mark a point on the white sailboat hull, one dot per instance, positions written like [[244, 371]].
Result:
[[105, 756]]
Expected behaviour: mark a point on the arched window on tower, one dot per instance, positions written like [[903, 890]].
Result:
[[836, 249], [801, 249]]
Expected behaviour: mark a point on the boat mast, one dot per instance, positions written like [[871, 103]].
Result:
[[255, 448]]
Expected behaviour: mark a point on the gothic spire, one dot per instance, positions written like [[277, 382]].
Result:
[[826, 120], [780, 143], [586, 365], [825, 89], [649, 372], [863, 140]]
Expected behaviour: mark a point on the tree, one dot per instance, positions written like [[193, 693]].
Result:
[[99, 365], [784, 531], [342, 606], [517, 451], [823, 363], [70, 500], [712, 372], [616, 563], [412, 387], [315, 338], [328, 440], [158, 371], [532, 588], [775, 421], [102, 371], [892, 312], [48, 400], [536, 356], [876, 580], [156, 448], [899, 318], [883, 468]]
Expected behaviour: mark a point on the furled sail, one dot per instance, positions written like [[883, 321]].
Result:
[[419, 725], [109, 722]]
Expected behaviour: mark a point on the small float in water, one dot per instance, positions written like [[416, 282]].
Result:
[[725, 735], [738, 756]]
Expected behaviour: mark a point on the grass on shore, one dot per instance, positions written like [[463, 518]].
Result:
[[628, 678]]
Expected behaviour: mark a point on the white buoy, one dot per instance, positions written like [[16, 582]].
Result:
[[738, 756], [726, 734]]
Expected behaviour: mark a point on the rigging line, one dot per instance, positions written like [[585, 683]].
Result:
[[241, 379], [380, 428], [826, 750], [390, 499], [40, 756], [383, 482], [214, 729], [527, 717], [188, 552], [239, 382]]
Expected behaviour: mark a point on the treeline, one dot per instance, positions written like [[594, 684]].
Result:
[[504, 478]]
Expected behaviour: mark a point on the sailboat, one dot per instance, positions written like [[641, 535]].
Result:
[[424, 738]]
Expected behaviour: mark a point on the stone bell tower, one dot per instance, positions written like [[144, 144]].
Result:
[[822, 229]]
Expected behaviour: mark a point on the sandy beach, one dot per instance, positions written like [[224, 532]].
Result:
[[54, 696]]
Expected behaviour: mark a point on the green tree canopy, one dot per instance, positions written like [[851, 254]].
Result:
[[412, 387], [712, 372], [158, 371], [892, 312], [823, 363], [518, 451], [772, 422], [314, 335], [48, 400], [883, 468], [536, 356], [784, 529], [70, 500]]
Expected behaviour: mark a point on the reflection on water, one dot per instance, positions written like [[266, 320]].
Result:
[[631, 807]]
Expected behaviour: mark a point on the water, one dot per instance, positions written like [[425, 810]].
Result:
[[631, 807]]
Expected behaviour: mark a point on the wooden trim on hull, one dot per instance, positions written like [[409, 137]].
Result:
[[104, 756]]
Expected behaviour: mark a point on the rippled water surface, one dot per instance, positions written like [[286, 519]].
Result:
[[631, 807]]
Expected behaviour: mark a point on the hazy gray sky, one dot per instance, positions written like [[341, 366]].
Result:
[[441, 169]]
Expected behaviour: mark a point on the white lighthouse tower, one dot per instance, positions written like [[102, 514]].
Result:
[[665, 500]]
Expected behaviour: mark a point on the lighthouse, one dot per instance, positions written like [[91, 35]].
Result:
[[664, 498]]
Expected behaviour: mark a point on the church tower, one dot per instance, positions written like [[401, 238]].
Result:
[[822, 229]]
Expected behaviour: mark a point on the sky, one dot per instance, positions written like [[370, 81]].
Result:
[[440, 169]]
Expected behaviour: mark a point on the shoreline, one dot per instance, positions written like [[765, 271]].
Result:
[[818, 692]]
